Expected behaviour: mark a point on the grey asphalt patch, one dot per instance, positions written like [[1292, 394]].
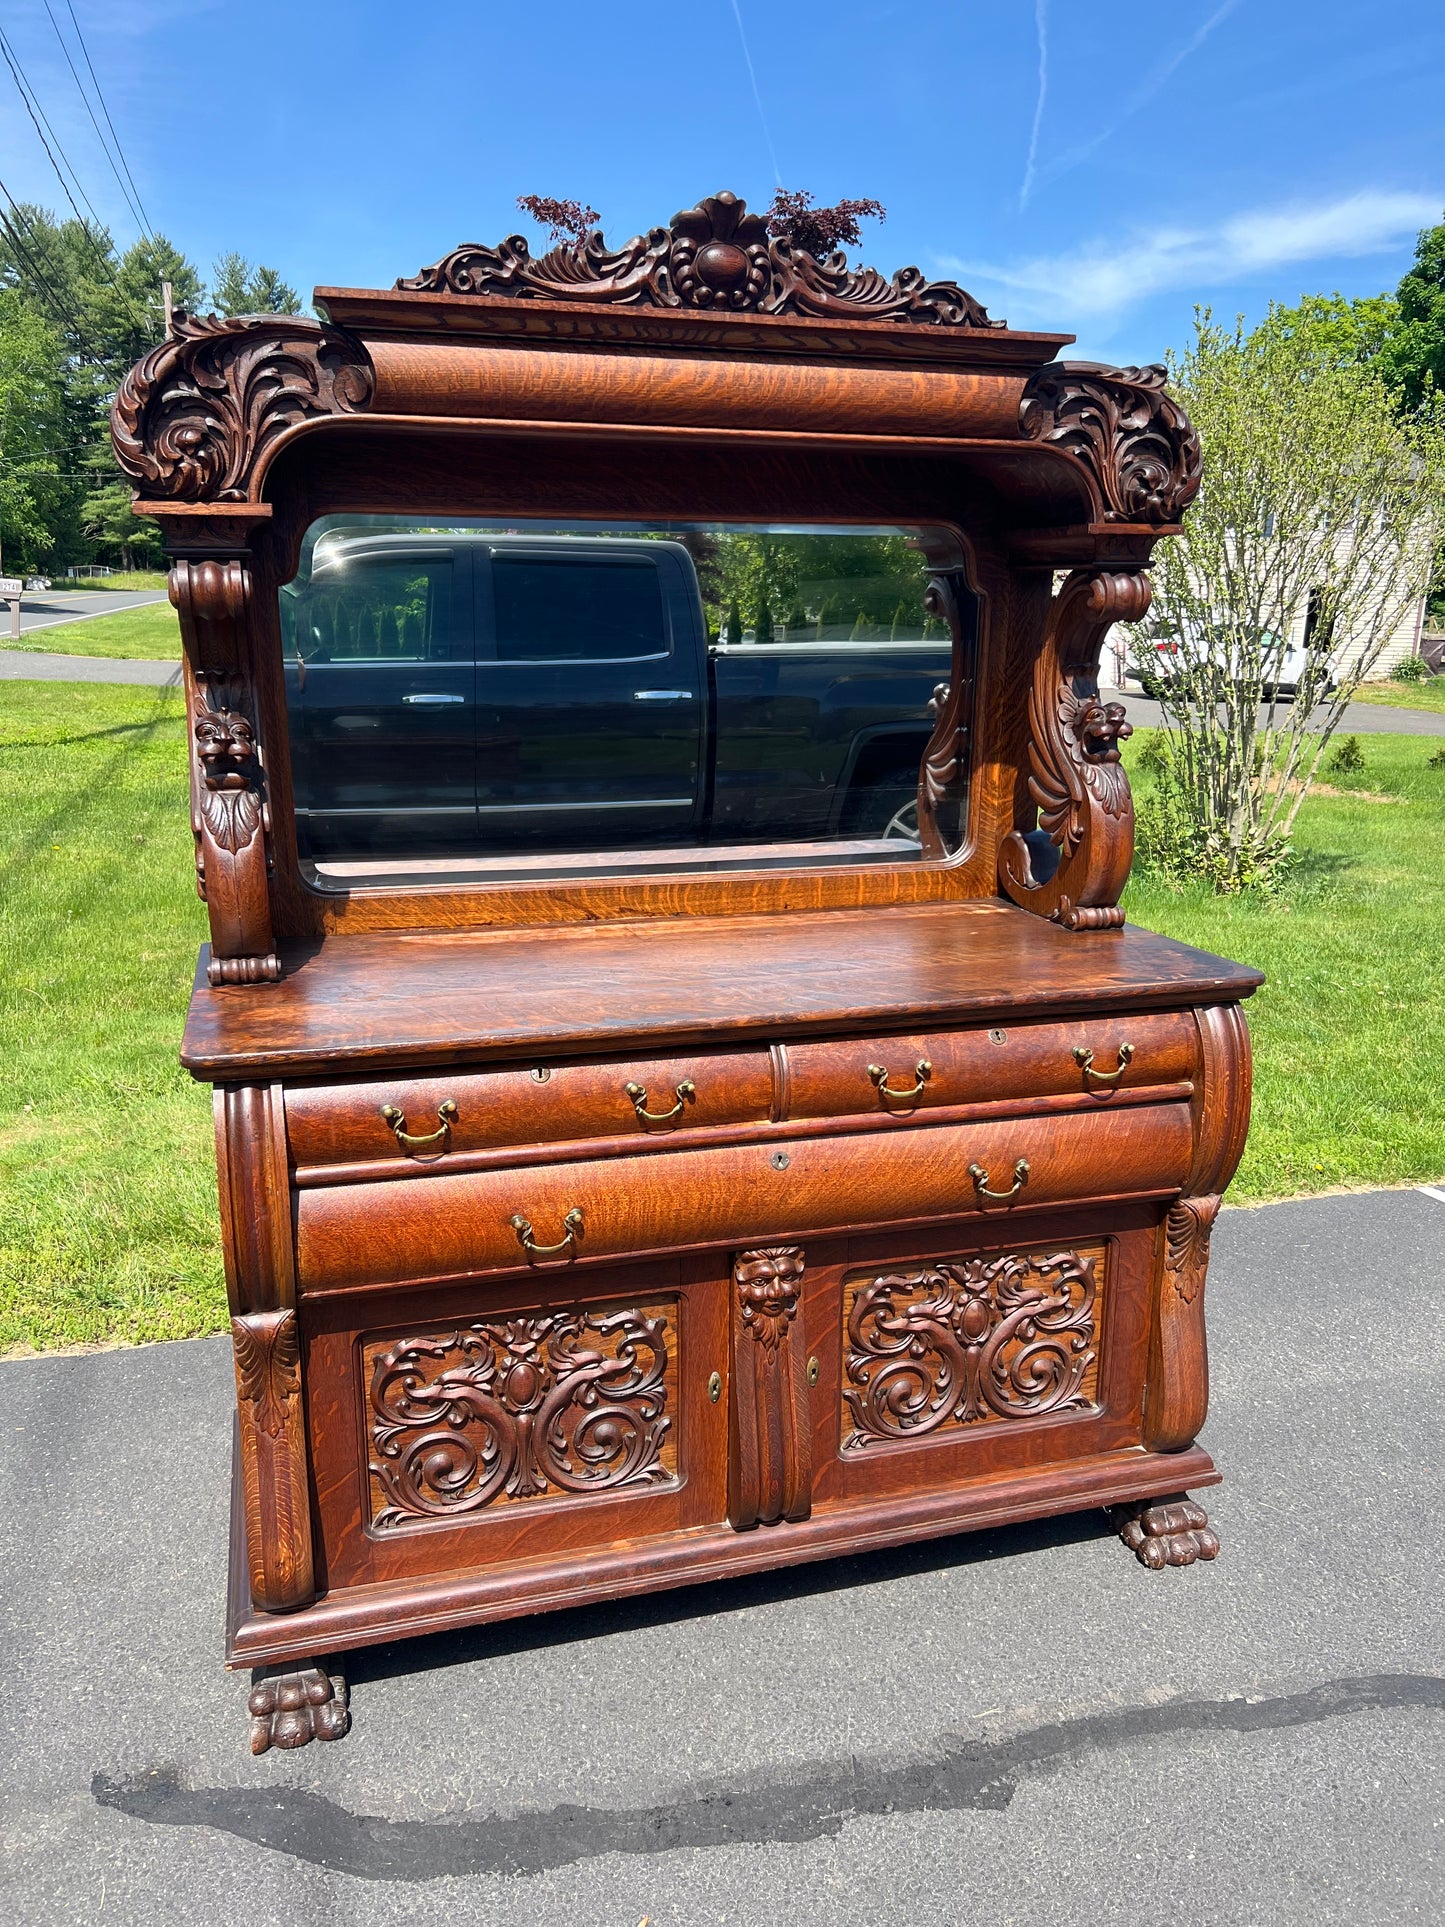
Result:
[[1328, 1368], [22, 665], [796, 1807], [55, 608], [1363, 718]]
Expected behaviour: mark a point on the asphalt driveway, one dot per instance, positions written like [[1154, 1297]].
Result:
[[1020, 1726]]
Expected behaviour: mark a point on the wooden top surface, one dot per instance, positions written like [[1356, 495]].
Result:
[[404, 998]]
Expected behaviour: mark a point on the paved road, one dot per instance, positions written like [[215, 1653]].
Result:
[[58, 606], [1022, 1726], [20, 665], [1364, 718]]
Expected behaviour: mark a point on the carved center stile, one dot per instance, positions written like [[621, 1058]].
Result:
[[529, 1407], [970, 1339]]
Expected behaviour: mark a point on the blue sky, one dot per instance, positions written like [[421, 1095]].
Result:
[[1078, 164]]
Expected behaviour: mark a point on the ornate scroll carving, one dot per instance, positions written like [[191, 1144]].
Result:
[[267, 1348], [196, 418], [974, 1338], [1176, 1398], [1073, 867], [1136, 442], [770, 1462], [292, 1705], [1166, 1532], [521, 1408], [943, 773], [714, 256]]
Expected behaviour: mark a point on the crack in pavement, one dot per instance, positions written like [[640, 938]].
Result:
[[812, 1802]]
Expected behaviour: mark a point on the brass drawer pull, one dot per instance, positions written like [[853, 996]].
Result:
[[686, 1094], [922, 1071], [446, 1117], [1084, 1058], [523, 1228], [980, 1181]]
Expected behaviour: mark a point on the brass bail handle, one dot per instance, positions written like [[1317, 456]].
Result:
[[572, 1225], [1084, 1058], [980, 1181], [922, 1071], [446, 1117], [686, 1094]]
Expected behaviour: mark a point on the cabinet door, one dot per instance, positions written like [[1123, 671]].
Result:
[[536, 1413]]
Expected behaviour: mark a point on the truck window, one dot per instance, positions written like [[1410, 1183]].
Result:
[[379, 611], [563, 610]]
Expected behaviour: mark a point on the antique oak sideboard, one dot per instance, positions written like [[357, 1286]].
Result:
[[602, 1218]]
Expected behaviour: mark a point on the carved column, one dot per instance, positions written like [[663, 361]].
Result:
[[942, 773], [1177, 1389], [770, 1462], [266, 1339], [1073, 867]]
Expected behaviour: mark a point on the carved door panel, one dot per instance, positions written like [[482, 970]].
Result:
[[954, 1357], [469, 1426]]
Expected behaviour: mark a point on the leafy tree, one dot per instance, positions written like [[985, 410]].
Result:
[[32, 431], [238, 288], [1318, 495], [1413, 359], [819, 231]]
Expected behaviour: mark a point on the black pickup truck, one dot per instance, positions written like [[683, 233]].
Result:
[[515, 693]]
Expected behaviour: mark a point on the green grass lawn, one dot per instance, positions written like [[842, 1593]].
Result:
[[107, 1180], [151, 632], [1405, 695], [122, 579]]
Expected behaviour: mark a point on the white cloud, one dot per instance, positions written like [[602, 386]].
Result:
[[1104, 278], [1041, 25]]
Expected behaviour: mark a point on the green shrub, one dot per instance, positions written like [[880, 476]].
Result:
[[1171, 845], [1348, 757], [1412, 669]]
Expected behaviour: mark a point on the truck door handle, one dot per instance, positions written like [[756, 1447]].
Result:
[[433, 696], [662, 695]]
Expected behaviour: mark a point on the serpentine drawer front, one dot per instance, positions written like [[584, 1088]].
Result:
[[438, 1115], [934, 1070], [551, 1215]]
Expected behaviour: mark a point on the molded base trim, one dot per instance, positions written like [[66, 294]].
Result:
[[371, 1615]]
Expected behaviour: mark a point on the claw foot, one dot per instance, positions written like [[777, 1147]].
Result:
[[293, 1706], [1166, 1532]]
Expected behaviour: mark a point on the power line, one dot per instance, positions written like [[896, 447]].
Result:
[[37, 115], [108, 121], [13, 231], [133, 205]]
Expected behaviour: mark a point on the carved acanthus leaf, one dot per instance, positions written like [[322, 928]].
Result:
[[268, 1365], [715, 256], [193, 419], [1122, 424], [1187, 1232]]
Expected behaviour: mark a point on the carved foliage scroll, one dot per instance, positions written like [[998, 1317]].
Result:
[[1072, 868], [770, 1460], [1177, 1395], [267, 1348], [1136, 441], [194, 419], [971, 1339], [715, 256], [530, 1407], [943, 773]]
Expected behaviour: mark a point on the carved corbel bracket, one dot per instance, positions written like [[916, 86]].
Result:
[[230, 815], [274, 1478], [1137, 444], [197, 419], [942, 775], [770, 1469], [1073, 867]]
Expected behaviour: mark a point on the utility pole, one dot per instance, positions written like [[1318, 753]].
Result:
[[166, 303]]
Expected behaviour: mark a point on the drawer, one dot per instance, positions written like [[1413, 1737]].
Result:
[[928, 1070], [445, 1114], [465, 1222]]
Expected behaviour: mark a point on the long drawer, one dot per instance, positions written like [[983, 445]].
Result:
[[457, 1224], [439, 1115], [901, 1076]]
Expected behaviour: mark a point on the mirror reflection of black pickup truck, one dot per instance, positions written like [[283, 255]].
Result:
[[532, 693]]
